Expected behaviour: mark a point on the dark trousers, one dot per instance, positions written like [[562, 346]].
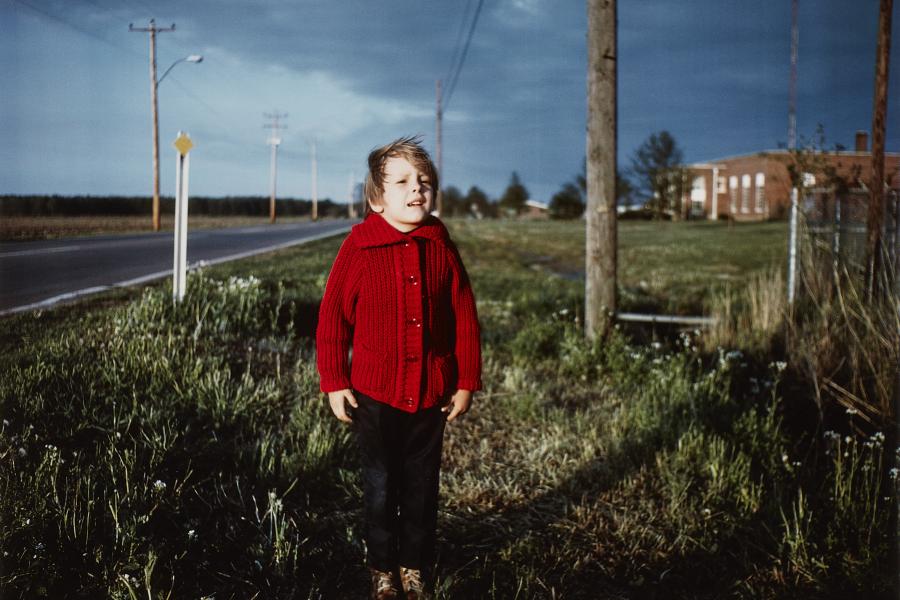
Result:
[[400, 454]]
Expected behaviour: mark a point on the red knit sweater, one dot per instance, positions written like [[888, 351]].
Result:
[[404, 302]]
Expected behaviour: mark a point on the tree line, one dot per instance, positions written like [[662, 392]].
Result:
[[56, 205], [655, 176]]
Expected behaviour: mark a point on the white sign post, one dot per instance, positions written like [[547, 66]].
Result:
[[179, 270]]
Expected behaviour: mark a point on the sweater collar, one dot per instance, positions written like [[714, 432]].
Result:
[[375, 231]]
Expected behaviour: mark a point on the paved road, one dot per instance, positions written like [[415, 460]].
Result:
[[42, 273]]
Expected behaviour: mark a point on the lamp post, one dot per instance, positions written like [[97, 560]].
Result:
[[154, 83], [194, 58]]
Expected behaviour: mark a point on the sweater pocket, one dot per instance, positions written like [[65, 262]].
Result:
[[367, 369], [445, 375]]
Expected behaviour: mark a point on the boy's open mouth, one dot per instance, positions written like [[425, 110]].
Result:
[[416, 203]]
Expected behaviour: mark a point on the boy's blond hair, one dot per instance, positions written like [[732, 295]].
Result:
[[411, 149]]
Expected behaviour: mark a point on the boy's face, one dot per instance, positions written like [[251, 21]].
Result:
[[407, 194]]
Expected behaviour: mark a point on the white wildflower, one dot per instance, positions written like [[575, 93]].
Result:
[[852, 411], [159, 485], [894, 472]]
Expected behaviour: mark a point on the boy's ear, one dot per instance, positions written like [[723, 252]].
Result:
[[376, 208]]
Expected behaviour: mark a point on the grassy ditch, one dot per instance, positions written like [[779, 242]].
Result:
[[148, 450]]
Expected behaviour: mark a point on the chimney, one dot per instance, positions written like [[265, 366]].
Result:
[[862, 141]]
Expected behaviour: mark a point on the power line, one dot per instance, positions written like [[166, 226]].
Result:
[[457, 45], [81, 30], [465, 51]]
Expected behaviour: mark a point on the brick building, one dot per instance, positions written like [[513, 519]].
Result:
[[755, 187]]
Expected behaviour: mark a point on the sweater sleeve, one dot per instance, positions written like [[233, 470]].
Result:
[[468, 331], [336, 320]]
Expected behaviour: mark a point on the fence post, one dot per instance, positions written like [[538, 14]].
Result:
[[792, 250], [895, 243], [836, 236]]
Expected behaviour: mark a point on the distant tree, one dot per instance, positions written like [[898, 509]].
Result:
[[567, 203], [657, 171], [454, 203], [513, 200], [477, 203], [624, 188]]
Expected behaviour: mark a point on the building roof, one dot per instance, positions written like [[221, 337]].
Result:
[[537, 205], [706, 164]]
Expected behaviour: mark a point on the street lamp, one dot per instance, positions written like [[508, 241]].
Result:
[[194, 58]]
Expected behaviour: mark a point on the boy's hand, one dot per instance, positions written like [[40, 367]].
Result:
[[336, 400], [458, 405]]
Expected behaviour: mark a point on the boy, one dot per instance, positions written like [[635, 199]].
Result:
[[399, 294]]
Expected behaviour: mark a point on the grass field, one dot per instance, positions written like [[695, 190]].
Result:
[[149, 450]]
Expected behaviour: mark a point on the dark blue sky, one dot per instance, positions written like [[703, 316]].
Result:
[[354, 74]]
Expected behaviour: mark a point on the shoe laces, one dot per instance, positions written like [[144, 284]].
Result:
[[412, 580], [384, 582]]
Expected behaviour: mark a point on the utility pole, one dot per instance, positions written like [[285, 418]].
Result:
[[274, 141], [600, 217], [153, 30], [351, 208], [792, 145], [439, 197], [875, 222], [792, 90], [315, 191]]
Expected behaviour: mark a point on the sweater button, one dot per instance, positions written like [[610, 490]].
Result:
[[412, 279], [414, 321], [408, 401]]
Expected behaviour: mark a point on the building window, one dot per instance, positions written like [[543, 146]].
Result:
[[745, 193], [732, 193], [760, 193], [698, 196], [721, 185]]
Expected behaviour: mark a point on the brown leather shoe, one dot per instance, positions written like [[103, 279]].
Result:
[[383, 587], [413, 586]]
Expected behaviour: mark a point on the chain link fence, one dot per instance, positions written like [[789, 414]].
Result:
[[836, 226]]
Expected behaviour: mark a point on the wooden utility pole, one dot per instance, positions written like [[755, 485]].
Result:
[[315, 183], [274, 141], [875, 222], [439, 197], [600, 238], [153, 30]]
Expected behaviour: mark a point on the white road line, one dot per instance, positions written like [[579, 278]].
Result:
[[40, 251], [160, 274]]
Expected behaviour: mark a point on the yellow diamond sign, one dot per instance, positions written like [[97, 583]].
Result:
[[183, 144]]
